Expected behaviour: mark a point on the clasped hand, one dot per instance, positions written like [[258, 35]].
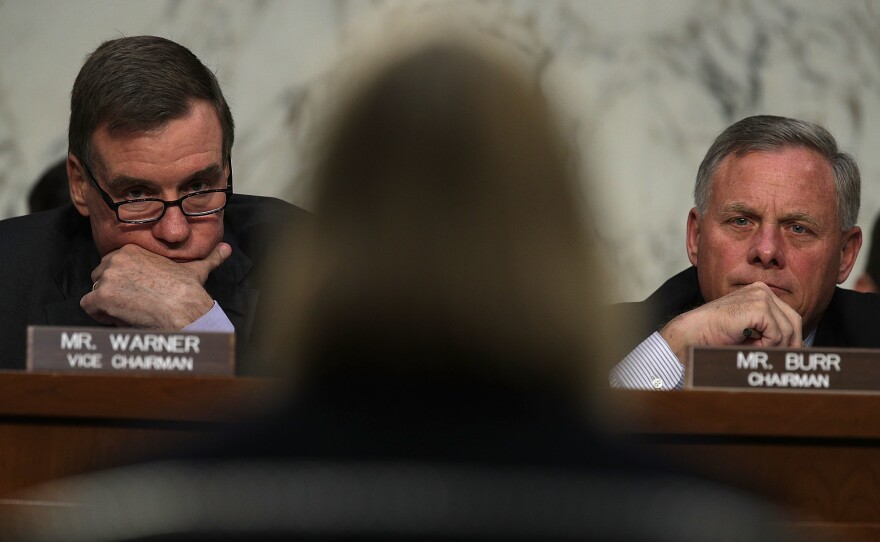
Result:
[[722, 321], [138, 288]]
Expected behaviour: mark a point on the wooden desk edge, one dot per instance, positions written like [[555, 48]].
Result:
[[159, 398], [749, 413]]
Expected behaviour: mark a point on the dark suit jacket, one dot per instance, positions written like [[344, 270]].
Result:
[[852, 319], [48, 259]]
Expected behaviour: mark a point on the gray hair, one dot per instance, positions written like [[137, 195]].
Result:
[[768, 133]]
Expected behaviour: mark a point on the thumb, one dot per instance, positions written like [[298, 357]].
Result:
[[212, 261]]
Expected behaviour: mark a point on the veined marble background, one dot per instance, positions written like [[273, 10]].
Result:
[[643, 85]]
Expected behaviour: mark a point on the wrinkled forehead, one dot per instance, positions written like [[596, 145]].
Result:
[[200, 121], [794, 177], [792, 168], [191, 142]]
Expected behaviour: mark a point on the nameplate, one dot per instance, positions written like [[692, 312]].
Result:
[[119, 350], [795, 369]]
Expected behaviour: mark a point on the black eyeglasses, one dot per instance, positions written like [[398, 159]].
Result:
[[145, 210]]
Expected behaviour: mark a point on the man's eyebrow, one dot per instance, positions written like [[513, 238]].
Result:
[[801, 216], [739, 208], [212, 171]]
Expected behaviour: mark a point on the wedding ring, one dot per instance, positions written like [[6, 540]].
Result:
[[95, 286]]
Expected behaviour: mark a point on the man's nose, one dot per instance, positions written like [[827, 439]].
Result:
[[767, 248], [173, 227]]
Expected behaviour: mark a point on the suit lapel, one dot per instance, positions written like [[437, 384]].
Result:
[[832, 329], [230, 287], [679, 294], [73, 278]]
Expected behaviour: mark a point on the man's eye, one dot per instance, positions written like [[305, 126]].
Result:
[[198, 186], [135, 193], [741, 221], [797, 228]]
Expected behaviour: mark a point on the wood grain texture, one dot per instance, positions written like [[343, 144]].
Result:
[[816, 454], [60, 425]]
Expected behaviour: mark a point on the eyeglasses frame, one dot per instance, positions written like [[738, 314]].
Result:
[[114, 206]]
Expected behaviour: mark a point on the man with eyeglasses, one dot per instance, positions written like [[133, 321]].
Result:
[[155, 237]]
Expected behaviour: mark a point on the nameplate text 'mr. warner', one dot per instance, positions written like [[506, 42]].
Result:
[[125, 350]]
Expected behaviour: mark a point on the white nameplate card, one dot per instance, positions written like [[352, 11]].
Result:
[[108, 350], [795, 369]]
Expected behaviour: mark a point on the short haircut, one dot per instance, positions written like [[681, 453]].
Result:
[[767, 133], [139, 84]]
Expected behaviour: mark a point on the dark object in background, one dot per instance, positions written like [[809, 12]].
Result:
[[51, 190], [869, 281]]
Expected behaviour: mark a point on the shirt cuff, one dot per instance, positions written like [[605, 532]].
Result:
[[214, 320], [651, 366]]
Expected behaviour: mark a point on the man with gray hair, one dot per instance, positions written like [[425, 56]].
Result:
[[772, 233]]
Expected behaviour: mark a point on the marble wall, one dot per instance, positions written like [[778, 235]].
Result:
[[643, 86]]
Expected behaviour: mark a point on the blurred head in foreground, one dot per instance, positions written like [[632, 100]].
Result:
[[449, 238]]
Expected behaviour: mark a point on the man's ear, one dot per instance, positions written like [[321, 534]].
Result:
[[849, 249], [78, 182], [693, 235]]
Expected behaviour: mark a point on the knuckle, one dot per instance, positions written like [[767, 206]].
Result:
[[112, 274]]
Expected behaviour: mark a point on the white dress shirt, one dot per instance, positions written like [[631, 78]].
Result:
[[653, 366], [214, 320]]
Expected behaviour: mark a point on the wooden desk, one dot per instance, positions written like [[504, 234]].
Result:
[[59, 425], [818, 453]]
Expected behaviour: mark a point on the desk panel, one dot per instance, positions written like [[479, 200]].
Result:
[[59, 425], [818, 454]]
